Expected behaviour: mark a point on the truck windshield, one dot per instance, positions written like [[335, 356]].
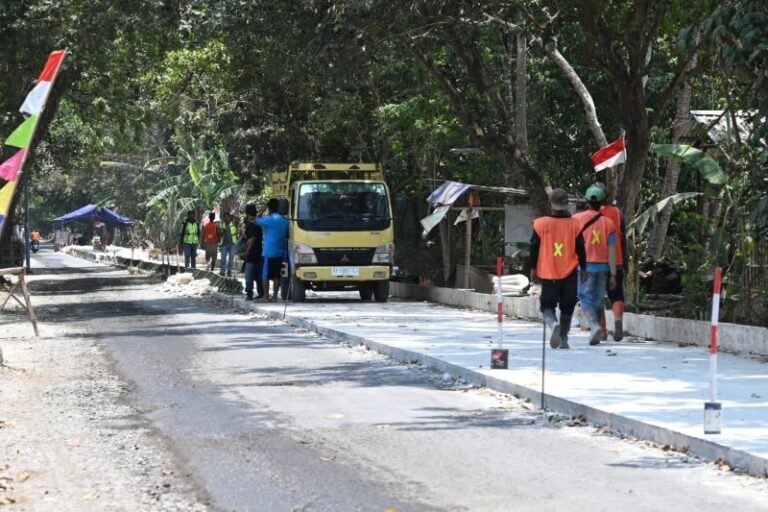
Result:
[[352, 206]]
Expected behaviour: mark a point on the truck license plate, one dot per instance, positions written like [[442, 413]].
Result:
[[345, 271]]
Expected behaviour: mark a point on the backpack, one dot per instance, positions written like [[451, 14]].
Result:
[[242, 244]]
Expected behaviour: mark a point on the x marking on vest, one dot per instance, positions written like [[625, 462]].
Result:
[[595, 237], [559, 249]]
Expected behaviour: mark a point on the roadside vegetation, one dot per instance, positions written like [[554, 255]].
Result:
[[165, 106]]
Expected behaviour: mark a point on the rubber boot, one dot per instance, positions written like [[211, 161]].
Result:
[[594, 325], [618, 315], [551, 320], [565, 326], [603, 326]]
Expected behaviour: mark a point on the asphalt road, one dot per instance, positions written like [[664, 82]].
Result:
[[266, 418]]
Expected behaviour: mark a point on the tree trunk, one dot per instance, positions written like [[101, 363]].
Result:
[[581, 90], [682, 124], [521, 95], [446, 248], [638, 140]]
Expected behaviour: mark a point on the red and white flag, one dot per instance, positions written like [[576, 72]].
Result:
[[610, 155], [35, 101]]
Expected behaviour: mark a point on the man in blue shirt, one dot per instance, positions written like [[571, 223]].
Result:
[[274, 250]]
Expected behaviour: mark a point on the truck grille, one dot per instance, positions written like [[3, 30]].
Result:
[[340, 256]]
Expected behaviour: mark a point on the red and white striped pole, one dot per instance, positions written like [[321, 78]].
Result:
[[713, 409], [499, 355], [499, 299]]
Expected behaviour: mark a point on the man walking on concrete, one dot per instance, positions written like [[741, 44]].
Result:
[[211, 241], [599, 236], [616, 294], [190, 239], [557, 249], [275, 246], [227, 242]]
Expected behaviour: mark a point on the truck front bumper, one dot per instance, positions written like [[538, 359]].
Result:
[[326, 274]]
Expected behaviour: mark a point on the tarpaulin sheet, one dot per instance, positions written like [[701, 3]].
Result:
[[447, 193], [92, 212]]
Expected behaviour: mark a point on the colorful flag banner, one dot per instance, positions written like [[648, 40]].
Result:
[[610, 155], [6, 196], [35, 101], [9, 169], [22, 135]]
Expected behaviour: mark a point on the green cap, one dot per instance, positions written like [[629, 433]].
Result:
[[595, 193]]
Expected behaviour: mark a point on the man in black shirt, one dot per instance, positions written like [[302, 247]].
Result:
[[252, 255]]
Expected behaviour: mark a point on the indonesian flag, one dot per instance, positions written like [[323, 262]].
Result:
[[610, 155], [35, 102], [9, 169]]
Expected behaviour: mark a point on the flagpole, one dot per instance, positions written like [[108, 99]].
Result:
[[27, 246]]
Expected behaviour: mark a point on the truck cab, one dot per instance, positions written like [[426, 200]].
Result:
[[341, 234]]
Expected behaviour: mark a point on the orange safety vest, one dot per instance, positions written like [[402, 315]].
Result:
[[614, 214], [211, 233], [596, 235], [557, 246]]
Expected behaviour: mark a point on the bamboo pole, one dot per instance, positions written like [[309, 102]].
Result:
[[28, 149], [468, 243]]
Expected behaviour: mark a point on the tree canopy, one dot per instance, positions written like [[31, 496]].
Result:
[[150, 86]]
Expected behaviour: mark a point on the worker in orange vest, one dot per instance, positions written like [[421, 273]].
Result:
[[599, 236], [557, 249], [616, 295], [211, 242]]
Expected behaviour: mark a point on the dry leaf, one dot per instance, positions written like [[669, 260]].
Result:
[[7, 500], [23, 477], [328, 458], [91, 496], [335, 416]]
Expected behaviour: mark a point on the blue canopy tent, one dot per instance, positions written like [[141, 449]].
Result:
[[92, 212]]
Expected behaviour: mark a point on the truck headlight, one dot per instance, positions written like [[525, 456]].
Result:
[[303, 255], [384, 253]]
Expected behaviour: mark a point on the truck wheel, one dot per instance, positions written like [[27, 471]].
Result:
[[366, 291], [381, 291], [298, 290]]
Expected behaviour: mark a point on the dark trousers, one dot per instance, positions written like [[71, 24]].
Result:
[[253, 273], [617, 294], [562, 292]]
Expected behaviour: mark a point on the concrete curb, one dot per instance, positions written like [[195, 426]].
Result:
[[709, 450]]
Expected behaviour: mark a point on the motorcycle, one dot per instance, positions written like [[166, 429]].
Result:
[[35, 244]]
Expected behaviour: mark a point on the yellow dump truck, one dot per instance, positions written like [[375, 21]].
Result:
[[341, 230]]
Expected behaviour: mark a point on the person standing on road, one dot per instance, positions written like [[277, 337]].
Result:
[[211, 241], [557, 249], [275, 239], [190, 239], [599, 236], [227, 241], [253, 253]]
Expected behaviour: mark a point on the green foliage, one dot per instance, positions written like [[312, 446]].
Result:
[[697, 158]]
